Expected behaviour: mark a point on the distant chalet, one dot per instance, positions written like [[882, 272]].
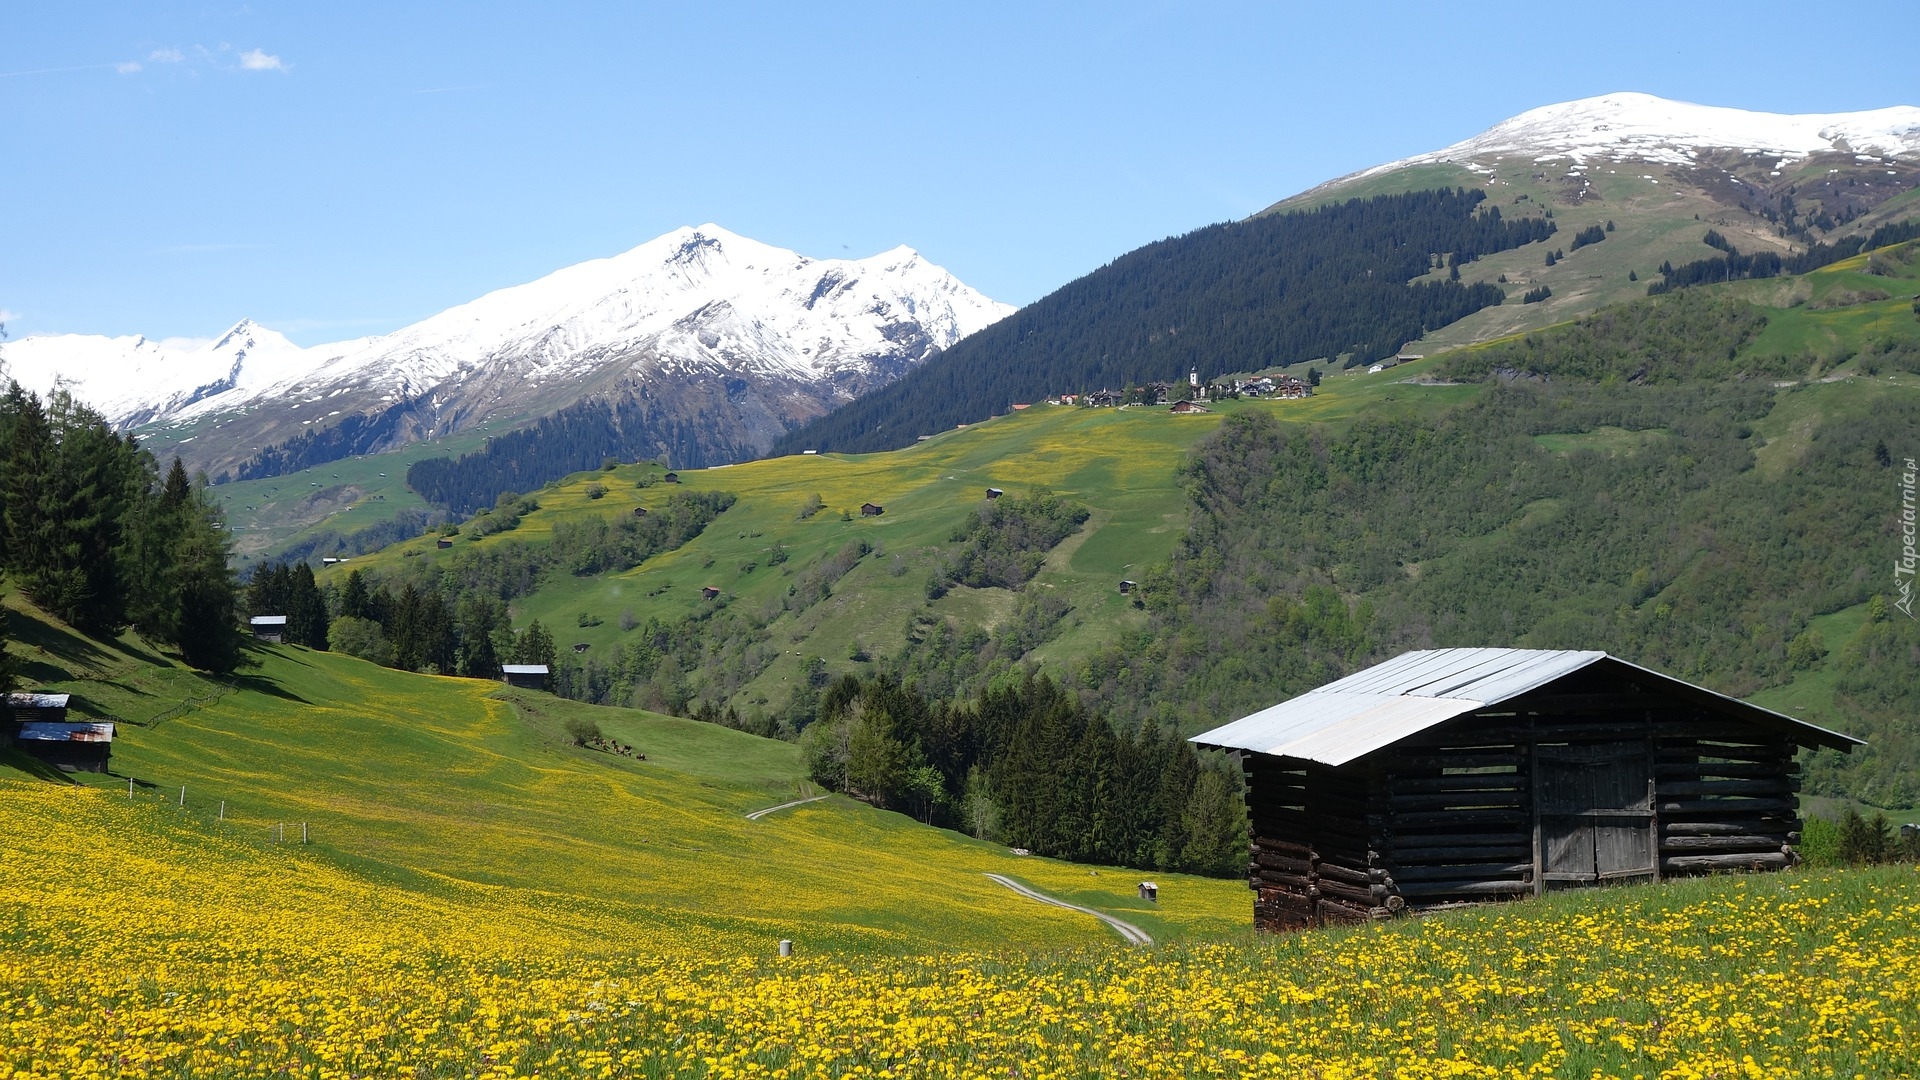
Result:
[[271, 628], [1185, 408], [37, 725], [871, 509], [1446, 776]]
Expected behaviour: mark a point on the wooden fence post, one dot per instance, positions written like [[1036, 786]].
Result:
[[183, 794]]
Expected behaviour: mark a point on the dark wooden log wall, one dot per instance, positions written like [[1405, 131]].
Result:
[[1448, 816]]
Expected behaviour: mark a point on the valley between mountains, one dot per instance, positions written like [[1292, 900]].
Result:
[[715, 661]]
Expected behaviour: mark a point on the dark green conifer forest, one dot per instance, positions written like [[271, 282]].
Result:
[[91, 533], [1242, 295]]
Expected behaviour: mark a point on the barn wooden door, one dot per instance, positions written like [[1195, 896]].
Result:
[[1596, 812]]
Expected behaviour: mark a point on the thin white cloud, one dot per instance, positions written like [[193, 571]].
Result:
[[260, 60], [55, 71], [9, 315], [127, 68], [166, 56]]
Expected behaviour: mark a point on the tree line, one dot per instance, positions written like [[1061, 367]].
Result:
[[1028, 765], [584, 435], [1279, 288], [92, 533], [1734, 266], [447, 613]]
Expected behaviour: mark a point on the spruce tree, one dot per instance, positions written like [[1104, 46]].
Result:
[[535, 646], [306, 609], [353, 599], [207, 591]]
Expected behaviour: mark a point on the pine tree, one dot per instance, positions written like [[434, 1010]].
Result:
[[207, 591], [148, 571], [408, 651], [534, 646], [354, 600], [306, 609]]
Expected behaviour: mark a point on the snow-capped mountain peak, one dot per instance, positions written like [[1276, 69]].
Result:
[[695, 303], [1623, 126]]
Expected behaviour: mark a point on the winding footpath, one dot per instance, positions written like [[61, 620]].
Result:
[[1133, 934], [758, 814]]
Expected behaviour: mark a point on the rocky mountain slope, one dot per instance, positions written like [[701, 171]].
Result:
[[728, 342]]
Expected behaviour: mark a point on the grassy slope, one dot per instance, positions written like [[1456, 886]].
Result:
[[455, 789], [345, 496], [1119, 462]]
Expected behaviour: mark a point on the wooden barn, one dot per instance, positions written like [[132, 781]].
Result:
[[269, 628], [871, 509], [37, 725], [529, 676], [1446, 776]]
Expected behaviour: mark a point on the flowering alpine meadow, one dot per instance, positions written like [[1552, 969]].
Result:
[[138, 944]]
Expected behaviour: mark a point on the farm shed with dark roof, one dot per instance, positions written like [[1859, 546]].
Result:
[[1451, 775]]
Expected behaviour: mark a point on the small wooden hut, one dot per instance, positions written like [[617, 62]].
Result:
[[37, 725], [709, 592], [1446, 776], [528, 676], [269, 628], [871, 509]]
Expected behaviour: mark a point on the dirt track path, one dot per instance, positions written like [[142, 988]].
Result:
[[1133, 934], [758, 814]]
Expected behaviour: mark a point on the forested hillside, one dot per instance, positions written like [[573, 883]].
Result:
[[1237, 296], [1620, 485], [91, 532], [578, 437]]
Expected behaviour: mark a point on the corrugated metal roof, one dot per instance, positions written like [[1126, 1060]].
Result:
[[524, 669], [25, 700], [47, 731], [268, 620], [1381, 705]]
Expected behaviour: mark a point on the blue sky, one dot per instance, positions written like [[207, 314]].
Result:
[[340, 169]]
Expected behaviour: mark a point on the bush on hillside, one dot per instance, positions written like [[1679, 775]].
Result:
[[360, 637], [582, 730]]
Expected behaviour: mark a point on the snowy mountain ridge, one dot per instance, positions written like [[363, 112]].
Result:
[[1643, 127], [693, 301]]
